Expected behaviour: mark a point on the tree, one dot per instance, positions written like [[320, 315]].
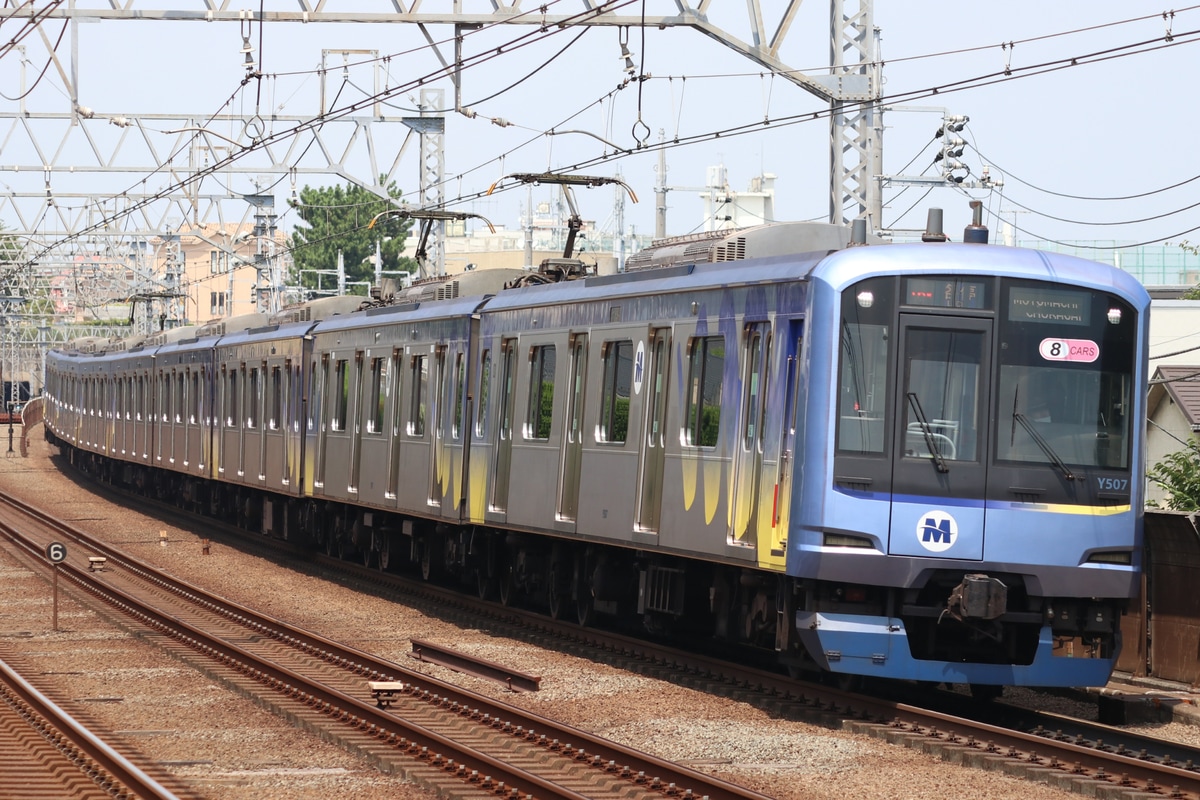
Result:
[[335, 219], [1194, 292], [1179, 474]]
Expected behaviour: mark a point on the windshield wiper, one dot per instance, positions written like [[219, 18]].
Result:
[[1046, 448], [938, 460]]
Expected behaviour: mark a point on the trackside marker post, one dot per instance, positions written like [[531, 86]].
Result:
[[56, 553]]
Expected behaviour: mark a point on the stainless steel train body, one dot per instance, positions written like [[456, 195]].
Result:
[[908, 461]]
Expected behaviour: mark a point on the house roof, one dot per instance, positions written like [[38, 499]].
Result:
[[1182, 384]]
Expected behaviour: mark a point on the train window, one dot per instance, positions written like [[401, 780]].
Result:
[[706, 373], [194, 411], [460, 387], [943, 392], [541, 392], [395, 371], [253, 394], [316, 392], [232, 400], [867, 313], [862, 387], [752, 403], [417, 390], [292, 388], [614, 402], [379, 393], [275, 398], [1064, 385], [485, 385], [341, 396], [180, 397]]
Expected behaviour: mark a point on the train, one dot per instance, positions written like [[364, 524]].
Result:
[[917, 461]]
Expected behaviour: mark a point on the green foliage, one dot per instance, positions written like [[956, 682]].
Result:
[[335, 219], [1179, 474], [1194, 292], [620, 420], [710, 426], [545, 411]]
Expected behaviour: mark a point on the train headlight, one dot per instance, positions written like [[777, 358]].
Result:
[[1114, 316], [867, 299], [1123, 557], [845, 540]]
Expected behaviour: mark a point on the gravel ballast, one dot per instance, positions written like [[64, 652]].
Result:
[[228, 748]]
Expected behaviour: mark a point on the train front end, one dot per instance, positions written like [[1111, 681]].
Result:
[[970, 509]]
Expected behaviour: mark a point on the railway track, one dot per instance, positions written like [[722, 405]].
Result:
[[1079, 756], [47, 753], [403, 721]]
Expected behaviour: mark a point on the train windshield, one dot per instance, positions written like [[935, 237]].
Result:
[[1005, 372], [1064, 377]]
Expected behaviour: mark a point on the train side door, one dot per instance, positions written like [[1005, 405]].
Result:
[[354, 396], [791, 344], [653, 456], [508, 399], [395, 372], [747, 476], [939, 467], [317, 414], [572, 447], [437, 424]]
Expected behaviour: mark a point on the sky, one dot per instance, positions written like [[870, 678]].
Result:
[[1083, 150]]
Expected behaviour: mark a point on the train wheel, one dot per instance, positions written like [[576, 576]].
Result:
[[385, 552], [558, 584], [430, 557], [585, 608], [506, 581], [367, 554]]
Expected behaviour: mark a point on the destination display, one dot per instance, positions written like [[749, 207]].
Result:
[[1052, 306], [945, 293]]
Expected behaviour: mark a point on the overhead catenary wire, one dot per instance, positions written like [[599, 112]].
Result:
[[1122, 51], [271, 138]]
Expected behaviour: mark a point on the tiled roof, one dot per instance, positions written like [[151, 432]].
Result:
[[1182, 383]]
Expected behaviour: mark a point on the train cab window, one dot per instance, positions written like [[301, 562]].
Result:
[[275, 399], [419, 370], [706, 374], [943, 393], [614, 403], [541, 393], [1065, 380], [379, 395], [341, 395], [485, 385], [866, 320]]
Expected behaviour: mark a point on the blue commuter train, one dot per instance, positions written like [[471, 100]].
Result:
[[917, 461]]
